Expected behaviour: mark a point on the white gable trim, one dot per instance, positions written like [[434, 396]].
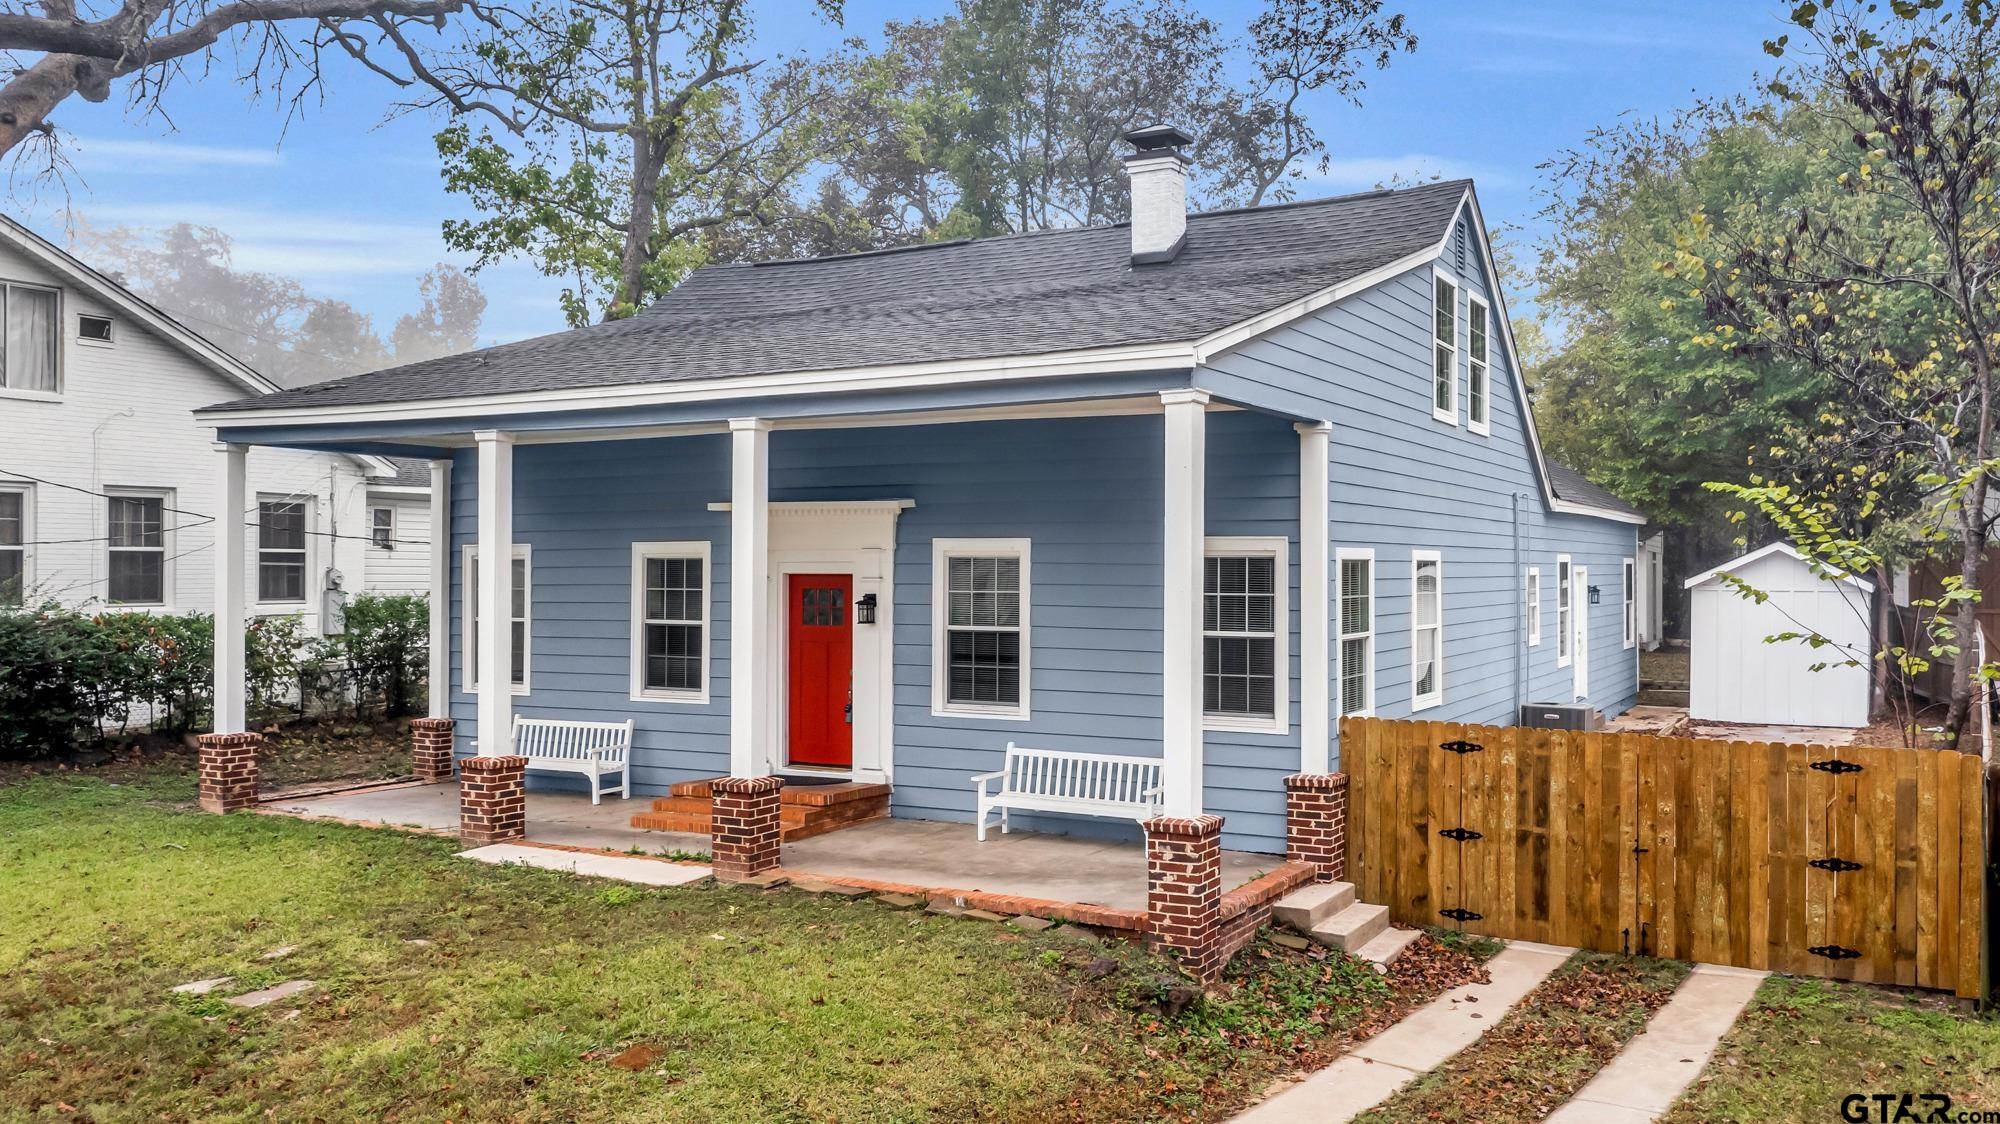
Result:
[[1763, 552]]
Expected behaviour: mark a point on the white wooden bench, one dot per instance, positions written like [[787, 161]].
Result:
[[1078, 784], [595, 749]]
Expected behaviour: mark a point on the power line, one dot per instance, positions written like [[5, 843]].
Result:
[[204, 517]]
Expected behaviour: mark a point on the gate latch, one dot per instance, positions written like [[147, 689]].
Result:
[[1460, 834]]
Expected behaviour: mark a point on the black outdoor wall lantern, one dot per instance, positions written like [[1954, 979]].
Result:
[[1593, 595], [864, 609]]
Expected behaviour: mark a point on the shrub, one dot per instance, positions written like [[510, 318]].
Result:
[[382, 658], [44, 693]]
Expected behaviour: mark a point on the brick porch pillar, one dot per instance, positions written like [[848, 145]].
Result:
[[492, 800], [228, 765], [430, 749], [745, 834], [1184, 891], [1316, 823]]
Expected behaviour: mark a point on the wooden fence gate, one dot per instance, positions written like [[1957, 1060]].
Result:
[[1855, 863]]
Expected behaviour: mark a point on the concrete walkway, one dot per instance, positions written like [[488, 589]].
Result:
[[1372, 1071], [1663, 1060], [646, 872]]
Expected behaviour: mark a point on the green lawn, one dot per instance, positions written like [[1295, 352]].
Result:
[[773, 1006], [1804, 1045]]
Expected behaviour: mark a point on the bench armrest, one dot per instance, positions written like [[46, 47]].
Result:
[[984, 777], [1156, 790]]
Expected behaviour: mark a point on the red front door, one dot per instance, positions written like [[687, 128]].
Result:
[[821, 669]]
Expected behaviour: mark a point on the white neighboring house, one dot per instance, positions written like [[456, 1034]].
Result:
[[108, 488]]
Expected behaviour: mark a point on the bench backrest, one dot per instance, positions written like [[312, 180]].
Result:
[[1099, 777], [559, 740]]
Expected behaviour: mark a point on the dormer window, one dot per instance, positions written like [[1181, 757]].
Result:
[[29, 343], [93, 329]]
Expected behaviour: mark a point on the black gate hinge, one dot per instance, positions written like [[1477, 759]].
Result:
[[1457, 914], [1461, 747], [1835, 952], [1836, 766], [1834, 864], [1461, 834]]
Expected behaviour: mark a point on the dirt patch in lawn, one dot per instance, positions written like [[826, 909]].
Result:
[[295, 755], [1545, 1049]]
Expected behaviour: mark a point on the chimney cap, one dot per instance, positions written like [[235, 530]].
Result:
[[1157, 138]]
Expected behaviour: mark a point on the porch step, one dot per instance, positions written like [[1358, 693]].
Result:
[[1329, 913], [803, 811]]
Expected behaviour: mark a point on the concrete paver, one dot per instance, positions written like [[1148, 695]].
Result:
[[270, 995], [1372, 1071], [646, 872], [1656, 1066]]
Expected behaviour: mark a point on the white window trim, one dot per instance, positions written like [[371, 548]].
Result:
[[641, 552], [1565, 579], [111, 340], [259, 606], [942, 550], [1476, 307], [1449, 414], [1531, 604], [167, 590], [1630, 605], [1436, 698], [525, 552], [1280, 549], [62, 353], [1352, 554], [391, 509], [27, 493]]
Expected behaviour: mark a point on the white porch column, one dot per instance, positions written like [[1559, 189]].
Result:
[[1315, 533], [1186, 495], [440, 673], [229, 573], [494, 599], [749, 597]]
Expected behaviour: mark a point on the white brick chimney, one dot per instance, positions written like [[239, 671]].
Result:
[[1159, 192]]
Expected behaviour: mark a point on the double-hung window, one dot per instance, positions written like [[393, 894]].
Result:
[[1245, 625], [1426, 629], [1444, 348], [137, 549], [1357, 630], [1564, 611], [979, 639], [281, 550], [1532, 604], [1477, 393], [670, 621], [518, 618], [30, 341], [382, 527], [1631, 604], [13, 546]]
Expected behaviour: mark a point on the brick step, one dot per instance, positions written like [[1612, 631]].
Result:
[[815, 795], [703, 825], [827, 808]]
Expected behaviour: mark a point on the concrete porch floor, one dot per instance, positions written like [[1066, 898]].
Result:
[[1058, 868]]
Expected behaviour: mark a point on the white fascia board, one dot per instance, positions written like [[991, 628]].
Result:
[[61, 262], [900, 376], [398, 490], [1761, 552], [1571, 507]]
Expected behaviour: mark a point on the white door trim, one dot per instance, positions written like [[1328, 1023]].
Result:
[[858, 539]]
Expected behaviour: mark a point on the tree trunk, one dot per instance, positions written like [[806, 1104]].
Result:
[[31, 95], [638, 250], [1885, 600]]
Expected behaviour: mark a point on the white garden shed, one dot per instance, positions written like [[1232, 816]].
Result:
[[1735, 676]]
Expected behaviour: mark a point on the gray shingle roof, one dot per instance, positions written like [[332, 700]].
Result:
[[411, 472], [1569, 484], [1021, 294]]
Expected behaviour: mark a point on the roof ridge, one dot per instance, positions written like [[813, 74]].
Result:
[[1261, 208]]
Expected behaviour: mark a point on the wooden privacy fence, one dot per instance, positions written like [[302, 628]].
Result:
[[1855, 863]]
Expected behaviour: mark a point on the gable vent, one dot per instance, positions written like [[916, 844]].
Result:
[[1458, 247]]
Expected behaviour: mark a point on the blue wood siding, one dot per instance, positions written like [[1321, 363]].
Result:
[[1086, 492], [1403, 481]]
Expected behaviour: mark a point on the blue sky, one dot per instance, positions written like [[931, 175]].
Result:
[[351, 204]]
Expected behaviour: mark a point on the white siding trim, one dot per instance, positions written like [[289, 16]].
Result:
[[1316, 683], [942, 551], [1435, 698], [641, 552], [440, 590], [1279, 549]]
